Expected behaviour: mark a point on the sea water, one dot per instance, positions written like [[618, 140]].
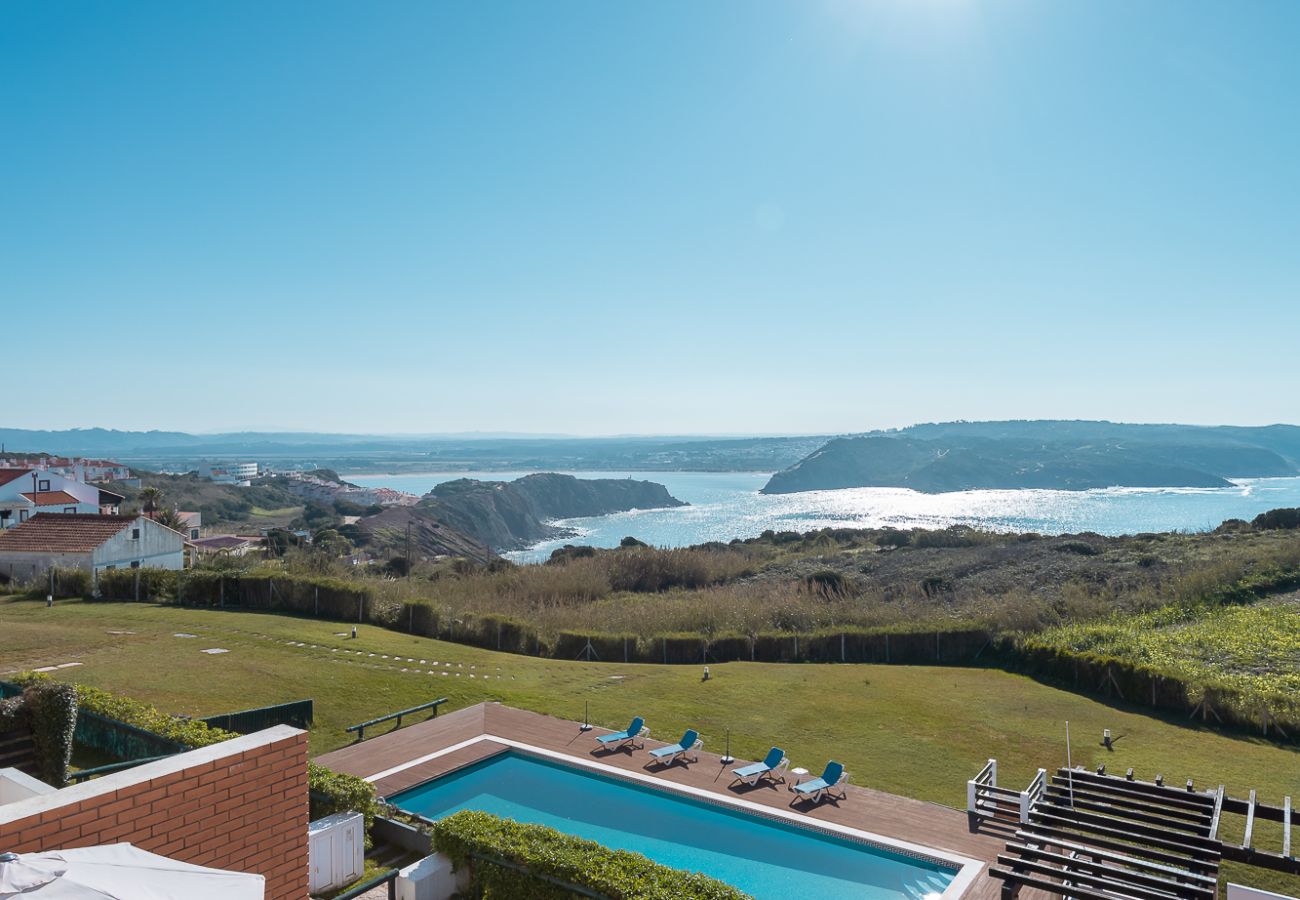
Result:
[[726, 505]]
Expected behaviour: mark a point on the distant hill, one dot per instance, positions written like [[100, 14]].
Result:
[[1065, 455], [421, 453]]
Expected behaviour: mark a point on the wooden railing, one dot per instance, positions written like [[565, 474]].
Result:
[[986, 799]]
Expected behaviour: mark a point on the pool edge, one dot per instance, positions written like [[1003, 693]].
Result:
[[967, 869]]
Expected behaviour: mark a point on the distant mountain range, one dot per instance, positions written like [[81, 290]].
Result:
[[395, 453], [1065, 455]]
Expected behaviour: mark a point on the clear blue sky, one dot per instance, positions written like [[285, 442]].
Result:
[[595, 217]]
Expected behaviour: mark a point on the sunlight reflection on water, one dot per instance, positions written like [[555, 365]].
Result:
[[726, 505]]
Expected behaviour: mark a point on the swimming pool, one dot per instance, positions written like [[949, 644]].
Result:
[[767, 858]]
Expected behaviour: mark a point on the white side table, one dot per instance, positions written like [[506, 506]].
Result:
[[798, 773]]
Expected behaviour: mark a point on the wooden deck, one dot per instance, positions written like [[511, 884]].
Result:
[[901, 818]]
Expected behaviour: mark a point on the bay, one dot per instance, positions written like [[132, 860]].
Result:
[[726, 505]]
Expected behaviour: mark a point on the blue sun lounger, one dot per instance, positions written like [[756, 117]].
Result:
[[818, 788], [690, 743], [634, 732], [756, 772]]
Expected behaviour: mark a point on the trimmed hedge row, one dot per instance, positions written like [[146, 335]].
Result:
[[330, 791], [49, 711], [1149, 686], [333, 598], [509, 860]]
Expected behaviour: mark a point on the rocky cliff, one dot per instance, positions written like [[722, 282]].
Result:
[[509, 515]]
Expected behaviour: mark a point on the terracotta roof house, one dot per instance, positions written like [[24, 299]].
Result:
[[92, 543]]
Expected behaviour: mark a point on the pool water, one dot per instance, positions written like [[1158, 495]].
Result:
[[767, 859]]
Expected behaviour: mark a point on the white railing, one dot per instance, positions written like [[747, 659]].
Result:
[[986, 799]]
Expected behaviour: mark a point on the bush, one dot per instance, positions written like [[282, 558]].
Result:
[[48, 709], [190, 732], [334, 792], [1082, 548], [1277, 518], [154, 584], [52, 712], [467, 837], [828, 584]]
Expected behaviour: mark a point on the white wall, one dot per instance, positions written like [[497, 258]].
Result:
[[157, 547], [1241, 892], [16, 785]]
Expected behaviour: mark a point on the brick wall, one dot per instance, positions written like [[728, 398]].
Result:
[[240, 805]]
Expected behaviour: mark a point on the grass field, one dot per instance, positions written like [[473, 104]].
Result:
[[916, 731]]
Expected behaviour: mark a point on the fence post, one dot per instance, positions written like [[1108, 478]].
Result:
[[361, 606], [796, 646], [841, 646], [317, 613], [886, 648], [221, 592], [993, 773], [971, 794], [625, 648], [936, 647]]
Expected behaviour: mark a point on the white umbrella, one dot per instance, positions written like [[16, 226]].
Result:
[[118, 872]]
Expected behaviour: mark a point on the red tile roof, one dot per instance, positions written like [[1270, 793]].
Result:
[[62, 532], [51, 498], [8, 475]]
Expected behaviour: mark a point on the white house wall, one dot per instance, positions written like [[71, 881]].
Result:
[[158, 547]]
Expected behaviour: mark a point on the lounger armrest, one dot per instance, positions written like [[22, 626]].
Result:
[[697, 747]]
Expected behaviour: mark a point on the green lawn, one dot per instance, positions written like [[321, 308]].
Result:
[[916, 731]]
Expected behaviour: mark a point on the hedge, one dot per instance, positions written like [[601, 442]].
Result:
[[334, 792], [49, 710], [330, 791], [535, 857], [334, 598]]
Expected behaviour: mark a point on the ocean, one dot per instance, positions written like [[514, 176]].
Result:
[[726, 505]]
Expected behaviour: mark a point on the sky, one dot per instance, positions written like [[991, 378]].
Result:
[[814, 216]]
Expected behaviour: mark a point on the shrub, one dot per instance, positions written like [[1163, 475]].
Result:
[[1277, 518], [471, 838], [190, 732], [828, 584], [52, 712], [48, 709], [1082, 548], [154, 584], [334, 792]]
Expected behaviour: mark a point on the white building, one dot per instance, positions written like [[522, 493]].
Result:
[[230, 473], [25, 492], [92, 543], [81, 469]]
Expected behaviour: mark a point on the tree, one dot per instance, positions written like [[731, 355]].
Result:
[[170, 518], [150, 499]]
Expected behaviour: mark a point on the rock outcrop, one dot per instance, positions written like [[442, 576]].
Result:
[[509, 515]]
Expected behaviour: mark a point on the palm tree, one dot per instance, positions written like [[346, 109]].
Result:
[[170, 518], [151, 499]]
